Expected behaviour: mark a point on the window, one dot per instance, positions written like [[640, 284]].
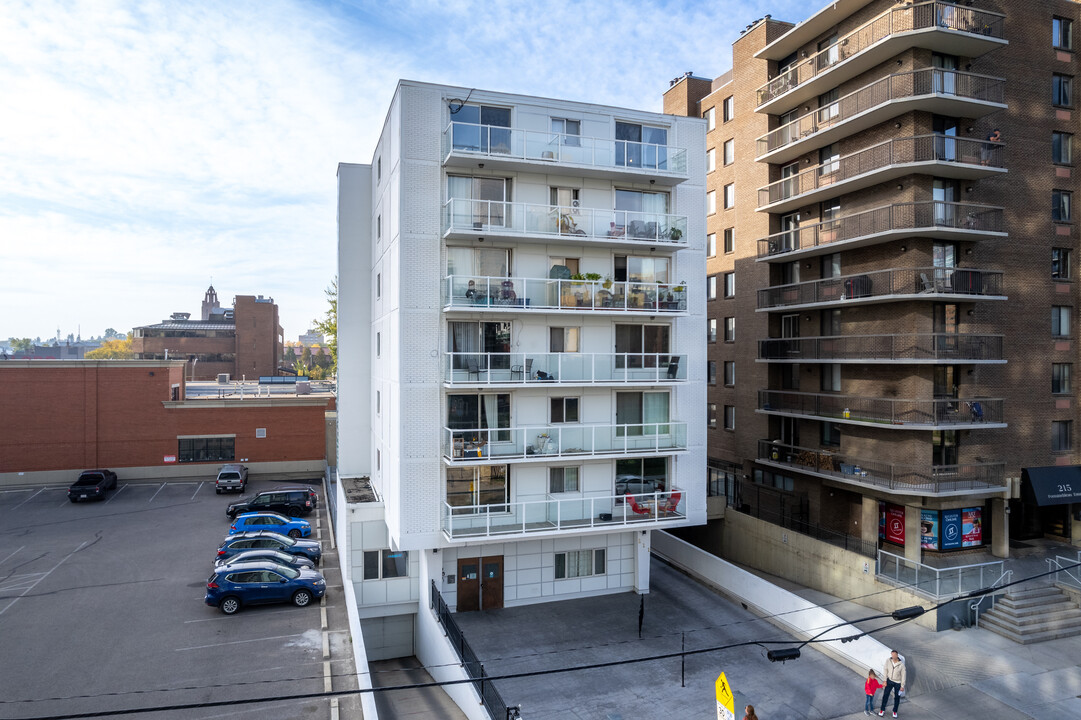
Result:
[[378, 169], [568, 131], [379, 284], [729, 196], [564, 409], [831, 377], [829, 160], [711, 160], [478, 417], [711, 287], [711, 414], [378, 226], [642, 413], [378, 344], [830, 265], [711, 245], [210, 449], [711, 118], [1060, 321], [729, 329], [641, 345], [641, 146], [711, 372], [729, 151], [579, 563], [1061, 148], [385, 564], [476, 202], [481, 128], [711, 330], [729, 284], [487, 262], [478, 489], [479, 346], [729, 108], [729, 417], [1062, 90], [378, 460], [1060, 205], [1060, 378], [563, 339], [729, 240], [1061, 33], [378, 402], [711, 202], [729, 373], [831, 434], [1061, 436], [562, 480], [1060, 263], [944, 448]]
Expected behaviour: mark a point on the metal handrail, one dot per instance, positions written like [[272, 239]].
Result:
[[916, 347], [523, 368], [940, 584], [895, 20], [478, 292], [884, 411], [933, 147], [914, 83], [562, 440], [897, 216], [1004, 579], [1056, 565]]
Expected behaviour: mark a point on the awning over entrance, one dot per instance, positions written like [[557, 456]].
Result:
[[1055, 485]]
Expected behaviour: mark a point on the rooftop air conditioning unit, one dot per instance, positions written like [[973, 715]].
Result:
[[223, 378]]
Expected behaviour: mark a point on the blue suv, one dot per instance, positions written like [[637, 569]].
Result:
[[274, 522], [234, 585], [269, 541]]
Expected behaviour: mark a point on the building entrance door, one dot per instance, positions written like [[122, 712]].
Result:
[[480, 583]]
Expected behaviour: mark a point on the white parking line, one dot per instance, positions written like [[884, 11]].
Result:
[[118, 491], [45, 575], [12, 554], [156, 493], [241, 642], [197, 491], [16, 490], [29, 499]]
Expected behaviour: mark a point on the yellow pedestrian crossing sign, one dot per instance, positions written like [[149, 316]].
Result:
[[726, 702]]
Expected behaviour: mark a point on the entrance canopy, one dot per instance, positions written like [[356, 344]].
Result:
[[1055, 485]]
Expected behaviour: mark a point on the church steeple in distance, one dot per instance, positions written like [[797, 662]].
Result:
[[210, 302]]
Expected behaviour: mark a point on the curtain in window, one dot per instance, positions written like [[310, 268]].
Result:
[[655, 410], [464, 338]]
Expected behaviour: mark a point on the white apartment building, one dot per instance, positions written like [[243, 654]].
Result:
[[521, 352]]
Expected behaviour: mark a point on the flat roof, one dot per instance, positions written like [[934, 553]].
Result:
[[188, 325], [79, 362]]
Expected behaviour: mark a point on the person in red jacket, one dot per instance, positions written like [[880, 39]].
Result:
[[870, 688]]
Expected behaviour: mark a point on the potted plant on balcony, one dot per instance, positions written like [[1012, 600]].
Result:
[[675, 234], [607, 282]]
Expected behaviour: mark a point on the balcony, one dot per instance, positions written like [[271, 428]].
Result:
[[886, 413], [898, 478], [938, 220], [944, 92], [940, 155], [525, 295], [552, 516], [487, 446], [938, 26], [894, 285], [541, 151], [465, 219], [565, 368], [899, 349]]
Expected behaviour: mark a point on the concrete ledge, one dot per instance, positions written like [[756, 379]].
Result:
[[294, 470], [781, 608]]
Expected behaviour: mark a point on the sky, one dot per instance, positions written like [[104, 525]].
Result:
[[149, 148]]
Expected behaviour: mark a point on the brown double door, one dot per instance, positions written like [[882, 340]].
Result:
[[480, 583]]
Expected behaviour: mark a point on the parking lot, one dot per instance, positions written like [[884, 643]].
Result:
[[101, 609]]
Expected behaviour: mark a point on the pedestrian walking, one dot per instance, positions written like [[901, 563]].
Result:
[[749, 713], [894, 672], [870, 688]]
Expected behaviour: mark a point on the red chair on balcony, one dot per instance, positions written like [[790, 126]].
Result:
[[672, 503], [637, 509]]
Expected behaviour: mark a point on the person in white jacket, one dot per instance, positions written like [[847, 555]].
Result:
[[894, 672]]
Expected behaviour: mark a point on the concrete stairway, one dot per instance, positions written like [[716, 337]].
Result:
[[1034, 615]]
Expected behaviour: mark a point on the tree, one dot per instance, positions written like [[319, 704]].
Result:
[[306, 357], [328, 326], [111, 333], [112, 350], [21, 344]]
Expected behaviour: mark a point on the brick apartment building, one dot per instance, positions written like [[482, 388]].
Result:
[[243, 341], [134, 416], [893, 288]]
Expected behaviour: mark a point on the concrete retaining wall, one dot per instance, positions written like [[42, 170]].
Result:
[[186, 472]]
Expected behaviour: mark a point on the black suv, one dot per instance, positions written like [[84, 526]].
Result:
[[292, 501]]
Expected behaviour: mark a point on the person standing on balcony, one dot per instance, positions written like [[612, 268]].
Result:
[[987, 151], [894, 672]]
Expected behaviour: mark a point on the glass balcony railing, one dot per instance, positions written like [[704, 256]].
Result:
[[888, 412], [543, 146], [551, 514], [915, 217], [921, 283], [904, 151], [904, 478], [900, 348], [562, 441], [473, 292], [506, 218], [562, 367], [927, 82], [899, 19]]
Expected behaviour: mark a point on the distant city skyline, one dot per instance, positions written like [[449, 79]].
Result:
[[148, 148]]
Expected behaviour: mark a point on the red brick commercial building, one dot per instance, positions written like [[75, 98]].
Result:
[[893, 272], [57, 417], [244, 341]]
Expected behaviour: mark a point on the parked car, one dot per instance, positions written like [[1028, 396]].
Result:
[[235, 585], [274, 522], [267, 555], [92, 485], [231, 477], [263, 540], [291, 501]]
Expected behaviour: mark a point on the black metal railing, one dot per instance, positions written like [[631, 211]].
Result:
[[493, 701], [888, 412], [896, 347]]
